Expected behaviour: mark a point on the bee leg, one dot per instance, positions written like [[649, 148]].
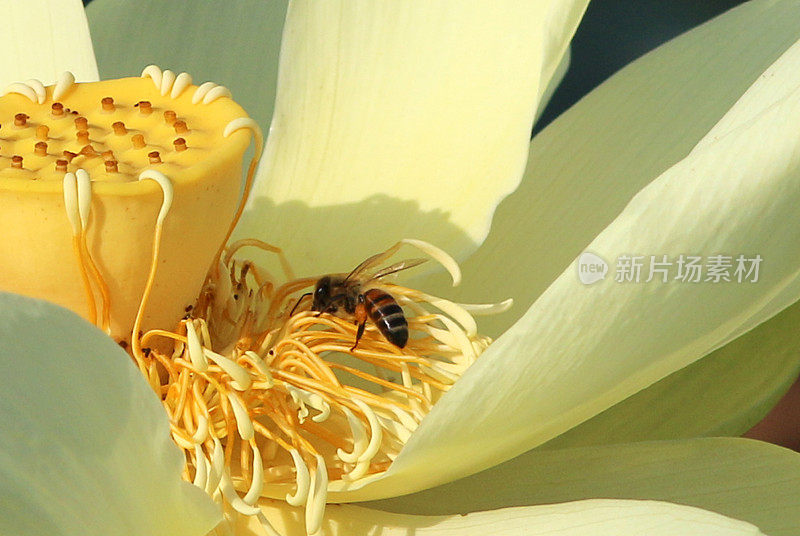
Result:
[[361, 319]]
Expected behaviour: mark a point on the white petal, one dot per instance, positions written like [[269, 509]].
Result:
[[44, 38], [589, 518], [401, 120], [84, 443]]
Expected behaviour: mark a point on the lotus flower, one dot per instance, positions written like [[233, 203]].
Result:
[[412, 120]]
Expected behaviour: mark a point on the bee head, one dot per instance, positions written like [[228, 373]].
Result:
[[322, 294]]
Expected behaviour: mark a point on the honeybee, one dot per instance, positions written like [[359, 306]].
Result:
[[350, 296]]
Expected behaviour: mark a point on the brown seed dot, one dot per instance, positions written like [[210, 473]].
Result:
[[180, 144], [145, 108], [119, 128], [111, 166], [180, 127], [21, 120], [61, 165], [40, 149], [82, 136], [170, 117], [16, 161], [108, 155], [138, 141], [41, 132], [81, 123], [69, 155], [88, 150], [57, 109], [108, 104], [155, 158]]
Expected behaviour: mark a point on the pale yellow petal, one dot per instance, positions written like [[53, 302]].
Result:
[[85, 448], [582, 348], [580, 518], [401, 120], [44, 38]]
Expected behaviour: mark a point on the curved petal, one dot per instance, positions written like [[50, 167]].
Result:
[[84, 443], [724, 394], [44, 38], [587, 165], [741, 478], [581, 349], [401, 120], [593, 517], [235, 44]]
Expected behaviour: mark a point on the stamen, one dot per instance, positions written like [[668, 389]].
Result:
[[22, 89], [41, 132], [180, 127], [107, 104], [138, 141], [120, 130], [167, 79], [40, 149], [302, 478], [21, 120], [38, 89], [201, 468], [81, 123], [16, 161], [65, 82], [166, 188], [315, 508], [154, 72], [57, 110], [183, 81]]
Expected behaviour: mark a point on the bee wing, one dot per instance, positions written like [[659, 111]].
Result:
[[402, 265], [378, 257]]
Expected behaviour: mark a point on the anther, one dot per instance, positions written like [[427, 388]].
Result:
[[108, 155], [21, 120], [119, 128], [61, 165], [40, 149], [111, 166], [180, 144], [57, 109], [180, 127], [170, 117], [88, 150], [81, 123], [154, 157], [69, 155], [82, 136], [138, 141], [16, 161], [41, 132], [145, 108], [108, 104]]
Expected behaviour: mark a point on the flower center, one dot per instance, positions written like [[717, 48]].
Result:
[[268, 397]]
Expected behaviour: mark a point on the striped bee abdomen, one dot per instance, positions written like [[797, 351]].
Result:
[[385, 313]]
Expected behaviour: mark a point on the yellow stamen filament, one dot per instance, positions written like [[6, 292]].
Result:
[[166, 188]]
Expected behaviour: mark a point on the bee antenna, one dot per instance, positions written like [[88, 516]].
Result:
[[298, 302]]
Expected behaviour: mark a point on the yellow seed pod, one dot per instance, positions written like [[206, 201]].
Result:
[[91, 250]]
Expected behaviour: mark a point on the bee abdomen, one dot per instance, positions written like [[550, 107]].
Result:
[[387, 315]]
